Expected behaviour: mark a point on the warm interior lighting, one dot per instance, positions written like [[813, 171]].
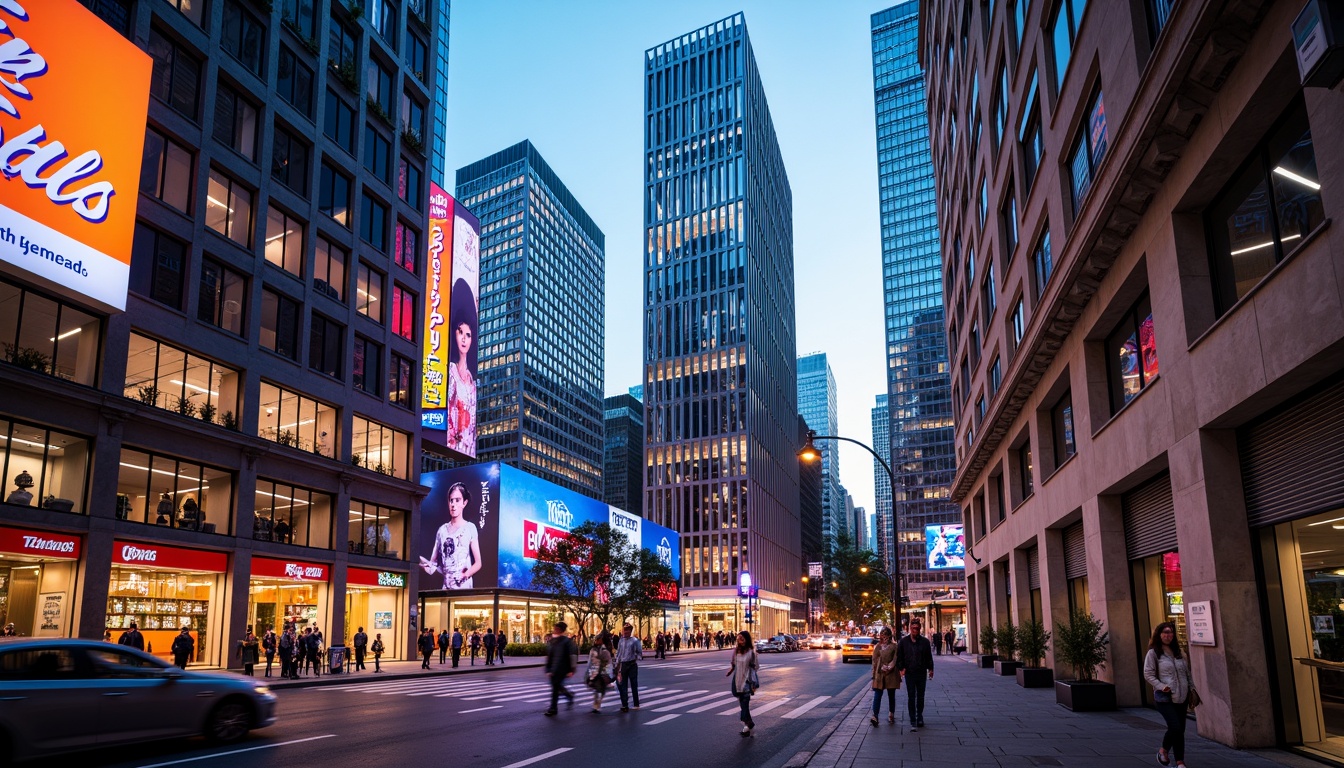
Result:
[[193, 386], [1263, 245], [66, 335], [1303, 180], [1323, 522]]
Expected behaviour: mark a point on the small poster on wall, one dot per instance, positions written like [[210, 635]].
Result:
[[1323, 625], [382, 619], [53, 614]]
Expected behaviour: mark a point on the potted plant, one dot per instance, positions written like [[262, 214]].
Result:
[[1005, 646], [1081, 644], [1032, 643], [987, 641]]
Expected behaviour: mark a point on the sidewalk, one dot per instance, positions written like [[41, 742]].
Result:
[[977, 719]]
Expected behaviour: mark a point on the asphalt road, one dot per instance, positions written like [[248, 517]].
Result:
[[687, 716]]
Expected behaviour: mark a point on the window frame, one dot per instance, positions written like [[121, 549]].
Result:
[[214, 317], [1063, 428], [326, 339], [154, 461], [164, 167], [1136, 316], [282, 302]]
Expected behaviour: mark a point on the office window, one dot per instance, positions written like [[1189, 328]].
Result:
[[57, 462], [380, 448], [50, 336], [383, 16], [284, 241], [1088, 150], [343, 53], [300, 16], [413, 120], [326, 346], [373, 222], [403, 313], [1061, 428], [369, 290], [983, 208], [338, 122], [399, 381], [410, 184], [1042, 264], [289, 418], [295, 82], [417, 56], [334, 195], [995, 376], [377, 154], [1001, 106], [166, 171], [975, 345], [161, 490], [367, 365], [989, 292], [1033, 147], [169, 377], [290, 514], [329, 269], [1266, 210], [243, 36], [176, 79], [1064, 29], [1131, 354], [222, 297], [158, 266], [280, 324], [1024, 469], [1019, 324], [1009, 214], [235, 122], [192, 9], [406, 247], [289, 161], [377, 531], [378, 90], [979, 410]]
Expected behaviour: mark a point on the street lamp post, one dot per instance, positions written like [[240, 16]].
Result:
[[810, 453]]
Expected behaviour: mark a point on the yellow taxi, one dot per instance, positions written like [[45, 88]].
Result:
[[858, 648]]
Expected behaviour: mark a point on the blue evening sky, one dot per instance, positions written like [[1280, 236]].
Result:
[[568, 75]]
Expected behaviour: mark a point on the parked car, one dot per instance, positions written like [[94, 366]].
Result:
[[768, 645], [62, 695], [786, 642], [860, 648]]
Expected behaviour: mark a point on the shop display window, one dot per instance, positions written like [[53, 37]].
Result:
[[381, 448], [48, 336], [164, 376], [377, 530], [37, 595], [291, 514], [163, 490], [45, 468], [273, 603], [289, 418], [161, 603]]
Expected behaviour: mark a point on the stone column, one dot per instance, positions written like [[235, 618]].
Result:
[[1054, 591], [1109, 593]]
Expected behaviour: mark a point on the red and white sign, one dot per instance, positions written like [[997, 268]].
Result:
[[168, 558], [539, 540], [289, 569], [363, 577], [21, 541]]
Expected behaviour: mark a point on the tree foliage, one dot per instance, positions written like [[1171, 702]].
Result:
[[844, 592], [1081, 644]]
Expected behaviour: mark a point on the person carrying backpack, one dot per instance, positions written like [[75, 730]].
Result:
[[133, 638], [443, 646], [378, 649], [361, 646]]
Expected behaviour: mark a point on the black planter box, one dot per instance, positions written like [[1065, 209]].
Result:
[[987, 660], [1035, 677], [1079, 696], [1006, 668]]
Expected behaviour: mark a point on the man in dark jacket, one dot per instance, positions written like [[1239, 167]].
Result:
[[457, 645], [426, 648], [133, 638], [443, 646], [286, 645], [183, 646], [489, 643], [914, 658], [562, 658], [361, 646]]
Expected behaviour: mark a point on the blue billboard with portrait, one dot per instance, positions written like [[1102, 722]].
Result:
[[945, 546]]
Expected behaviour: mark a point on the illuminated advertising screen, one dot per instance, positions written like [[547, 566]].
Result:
[[452, 292], [459, 528], [945, 546], [438, 279], [72, 115]]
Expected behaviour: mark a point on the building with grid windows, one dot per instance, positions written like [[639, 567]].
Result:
[[918, 380], [543, 276], [623, 464], [882, 522], [719, 352], [238, 448], [818, 403]]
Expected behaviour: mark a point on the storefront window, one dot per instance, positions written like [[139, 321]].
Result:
[[162, 601], [375, 600], [47, 469], [48, 336], [274, 603], [1158, 596], [289, 418], [166, 377], [290, 514], [381, 448], [163, 490], [375, 530], [37, 581]]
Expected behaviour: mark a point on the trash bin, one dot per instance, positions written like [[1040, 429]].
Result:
[[336, 657]]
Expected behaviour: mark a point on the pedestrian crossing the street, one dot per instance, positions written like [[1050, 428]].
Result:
[[666, 703]]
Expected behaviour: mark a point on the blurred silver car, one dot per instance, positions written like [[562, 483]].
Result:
[[61, 695]]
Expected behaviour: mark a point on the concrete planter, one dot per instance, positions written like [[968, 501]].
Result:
[[1090, 696], [1006, 668], [1035, 677], [986, 660]]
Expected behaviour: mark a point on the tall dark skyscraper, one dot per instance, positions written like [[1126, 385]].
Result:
[[539, 399], [818, 402], [809, 503], [623, 465], [882, 535], [918, 379], [720, 384]]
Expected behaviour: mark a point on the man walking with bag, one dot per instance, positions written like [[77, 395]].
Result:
[[629, 652], [914, 658], [562, 659], [361, 645]]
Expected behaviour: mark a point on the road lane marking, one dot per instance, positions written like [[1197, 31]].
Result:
[[805, 708], [707, 707], [684, 674], [661, 700], [772, 705], [662, 719], [716, 696], [539, 758], [480, 709], [240, 751]]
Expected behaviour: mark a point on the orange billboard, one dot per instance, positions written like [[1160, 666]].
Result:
[[73, 99]]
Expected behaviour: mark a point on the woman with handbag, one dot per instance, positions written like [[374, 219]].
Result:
[[1168, 671], [886, 677], [599, 669], [746, 679]]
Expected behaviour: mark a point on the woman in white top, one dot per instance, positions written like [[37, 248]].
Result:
[[1168, 672], [457, 550], [744, 672], [599, 669]]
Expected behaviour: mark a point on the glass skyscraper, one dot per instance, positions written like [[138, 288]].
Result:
[[623, 471], [818, 403], [882, 537], [918, 379], [539, 398], [720, 384]]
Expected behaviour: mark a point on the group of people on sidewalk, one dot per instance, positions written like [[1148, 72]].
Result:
[[911, 660], [493, 643]]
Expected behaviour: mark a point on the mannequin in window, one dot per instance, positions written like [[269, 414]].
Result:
[[282, 532], [324, 444], [20, 494], [165, 510], [191, 515]]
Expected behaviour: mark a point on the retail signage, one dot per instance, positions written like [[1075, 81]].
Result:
[[289, 569], [1317, 41], [174, 558], [1199, 623], [449, 357], [21, 541], [72, 132], [814, 570], [366, 577]]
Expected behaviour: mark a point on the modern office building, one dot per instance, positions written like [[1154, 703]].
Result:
[[623, 459], [919, 385], [237, 447], [1150, 425], [818, 402], [543, 277], [862, 532], [883, 530], [720, 381], [809, 504]]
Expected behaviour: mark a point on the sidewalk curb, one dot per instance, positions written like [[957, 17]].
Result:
[[808, 752]]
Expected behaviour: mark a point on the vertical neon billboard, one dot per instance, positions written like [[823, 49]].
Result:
[[438, 278]]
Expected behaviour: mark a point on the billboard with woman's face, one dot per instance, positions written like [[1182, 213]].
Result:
[[452, 289], [459, 528]]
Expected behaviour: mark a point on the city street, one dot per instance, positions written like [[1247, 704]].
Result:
[[475, 719]]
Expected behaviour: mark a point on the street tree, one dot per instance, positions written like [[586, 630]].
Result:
[[845, 592]]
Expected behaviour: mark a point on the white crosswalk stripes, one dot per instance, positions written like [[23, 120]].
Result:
[[805, 708]]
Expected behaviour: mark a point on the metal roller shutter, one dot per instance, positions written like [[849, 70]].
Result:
[[1075, 552], [1150, 518], [1034, 568], [1292, 463]]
